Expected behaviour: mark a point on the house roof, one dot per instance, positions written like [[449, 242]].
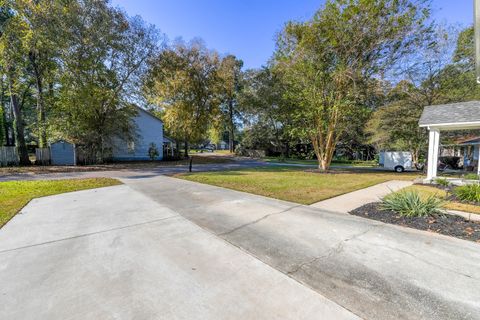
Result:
[[453, 116], [149, 113], [167, 139]]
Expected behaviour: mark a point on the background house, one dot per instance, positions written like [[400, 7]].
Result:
[[149, 130]]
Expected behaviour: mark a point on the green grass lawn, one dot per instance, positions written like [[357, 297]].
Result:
[[315, 162], [295, 184], [426, 191], [14, 195]]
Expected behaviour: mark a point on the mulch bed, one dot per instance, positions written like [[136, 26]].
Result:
[[447, 224]]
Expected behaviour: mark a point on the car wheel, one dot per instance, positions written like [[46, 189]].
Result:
[[399, 169]]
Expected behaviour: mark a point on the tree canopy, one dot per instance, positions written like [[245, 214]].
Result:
[[330, 63]]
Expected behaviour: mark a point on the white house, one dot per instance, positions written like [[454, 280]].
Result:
[[149, 130], [470, 151], [454, 116]]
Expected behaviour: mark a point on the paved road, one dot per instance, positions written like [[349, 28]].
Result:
[[375, 270], [146, 172], [113, 253]]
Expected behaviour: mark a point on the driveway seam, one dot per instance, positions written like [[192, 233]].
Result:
[[336, 250], [89, 234], [257, 220]]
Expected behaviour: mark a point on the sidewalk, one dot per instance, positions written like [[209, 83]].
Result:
[[352, 200]]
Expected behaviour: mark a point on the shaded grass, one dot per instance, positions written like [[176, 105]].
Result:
[[14, 195], [428, 191], [315, 162], [294, 184]]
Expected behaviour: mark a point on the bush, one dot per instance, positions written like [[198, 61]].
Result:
[[442, 182], [410, 204], [153, 151], [471, 176], [469, 192]]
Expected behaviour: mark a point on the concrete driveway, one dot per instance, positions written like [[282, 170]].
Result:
[[375, 270], [113, 253]]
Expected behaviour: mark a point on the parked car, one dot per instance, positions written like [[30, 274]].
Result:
[[207, 149], [396, 160]]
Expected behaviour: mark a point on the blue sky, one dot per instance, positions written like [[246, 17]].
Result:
[[247, 28]]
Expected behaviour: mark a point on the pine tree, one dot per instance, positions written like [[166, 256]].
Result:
[[2, 127]]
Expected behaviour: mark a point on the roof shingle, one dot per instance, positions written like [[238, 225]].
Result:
[[452, 113]]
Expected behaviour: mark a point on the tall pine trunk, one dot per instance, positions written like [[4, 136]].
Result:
[[231, 133], [18, 128], [42, 131], [41, 118], [185, 146]]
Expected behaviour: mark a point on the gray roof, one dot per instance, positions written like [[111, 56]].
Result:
[[453, 113]]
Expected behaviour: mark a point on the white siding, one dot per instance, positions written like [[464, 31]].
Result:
[[149, 129]]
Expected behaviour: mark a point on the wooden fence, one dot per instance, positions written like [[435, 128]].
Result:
[[8, 156], [42, 156]]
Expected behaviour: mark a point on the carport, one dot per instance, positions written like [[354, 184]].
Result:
[[447, 117]]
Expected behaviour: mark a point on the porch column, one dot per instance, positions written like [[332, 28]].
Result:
[[433, 144], [476, 150]]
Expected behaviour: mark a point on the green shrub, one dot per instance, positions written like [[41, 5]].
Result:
[[442, 182], [153, 151], [471, 176], [469, 192], [410, 204]]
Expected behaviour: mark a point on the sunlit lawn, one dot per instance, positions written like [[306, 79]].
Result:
[[14, 195], [295, 184], [426, 191]]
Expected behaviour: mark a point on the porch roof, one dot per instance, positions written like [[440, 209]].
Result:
[[453, 116]]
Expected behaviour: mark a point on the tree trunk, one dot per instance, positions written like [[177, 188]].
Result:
[[19, 129], [3, 118], [287, 149], [185, 146], [324, 146], [42, 131], [231, 133], [42, 134]]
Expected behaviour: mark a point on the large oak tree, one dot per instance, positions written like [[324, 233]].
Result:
[[331, 62]]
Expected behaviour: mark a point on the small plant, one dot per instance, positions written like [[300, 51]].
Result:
[[410, 204], [469, 192], [153, 151], [442, 182], [471, 176]]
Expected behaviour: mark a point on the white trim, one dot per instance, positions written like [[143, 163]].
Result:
[[447, 124]]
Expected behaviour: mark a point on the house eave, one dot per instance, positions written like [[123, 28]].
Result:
[[452, 125]]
